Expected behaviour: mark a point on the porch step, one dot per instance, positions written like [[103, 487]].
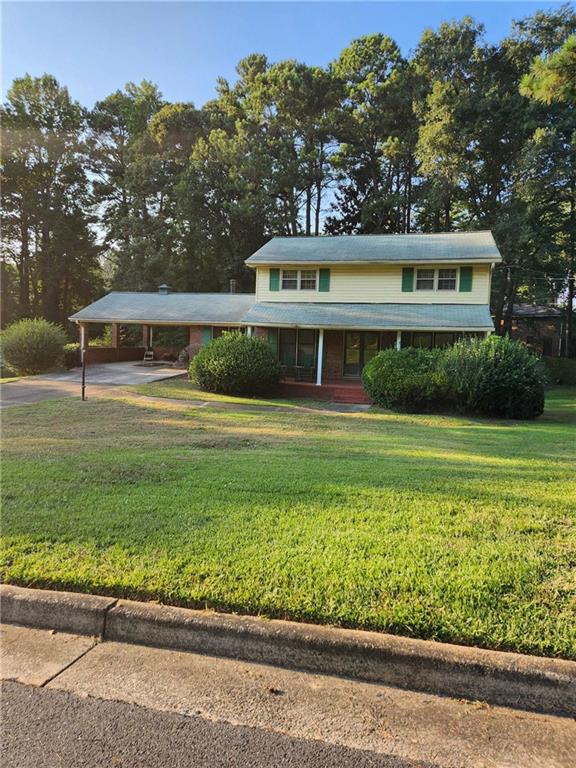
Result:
[[337, 393]]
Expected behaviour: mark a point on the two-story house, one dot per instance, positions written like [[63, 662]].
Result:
[[329, 304]]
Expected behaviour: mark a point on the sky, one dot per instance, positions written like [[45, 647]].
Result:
[[95, 48]]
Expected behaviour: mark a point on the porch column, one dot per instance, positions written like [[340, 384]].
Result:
[[115, 335], [320, 360], [398, 340], [84, 335], [249, 330], [487, 334], [146, 334]]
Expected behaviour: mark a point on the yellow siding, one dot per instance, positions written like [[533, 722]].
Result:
[[377, 284]]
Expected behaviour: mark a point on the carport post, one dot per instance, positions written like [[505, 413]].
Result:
[[320, 361], [115, 335], [83, 345], [83, 353]]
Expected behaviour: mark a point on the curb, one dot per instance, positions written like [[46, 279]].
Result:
[[504, 679], [63, 611]]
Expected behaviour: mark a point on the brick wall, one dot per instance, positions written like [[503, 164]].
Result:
[[96, 355], [194, 340]]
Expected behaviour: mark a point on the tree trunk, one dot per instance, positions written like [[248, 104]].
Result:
[[447, 220], [408, 198], [24, 270], [569, 346], [308, 209], [499, 308], [4, 303], [509, 308], [318, 186]]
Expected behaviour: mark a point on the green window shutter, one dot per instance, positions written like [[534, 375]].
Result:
[[273, 339], [407, 279], [465, 279], [274, 279], [324, 280], [206, 334]]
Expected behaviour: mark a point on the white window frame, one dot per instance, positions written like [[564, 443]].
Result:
[[298, 279], [289, 278], [433, 278], [436, 278]]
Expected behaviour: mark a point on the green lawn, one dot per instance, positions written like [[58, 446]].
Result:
[[430, 526], [183, 389]]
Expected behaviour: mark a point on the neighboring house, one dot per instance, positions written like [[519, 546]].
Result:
[[540, 327], [329, 304]]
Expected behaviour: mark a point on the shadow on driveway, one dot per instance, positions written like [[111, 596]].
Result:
[[99, 378]]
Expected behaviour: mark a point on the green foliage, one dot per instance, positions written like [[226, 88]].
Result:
[[32, 346], [410, 379], [46, 200], [495, 377], [553, 78], [235, 364], [438, 141], [560, 370]]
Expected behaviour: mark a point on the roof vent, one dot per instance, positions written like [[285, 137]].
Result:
[[232, 286], [164, 289]]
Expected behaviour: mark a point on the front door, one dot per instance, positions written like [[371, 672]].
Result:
[[359, 347]]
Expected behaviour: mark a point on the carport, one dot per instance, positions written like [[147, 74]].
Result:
[[204, 315]]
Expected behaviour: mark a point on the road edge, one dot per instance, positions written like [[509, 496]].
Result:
[[531, 683]]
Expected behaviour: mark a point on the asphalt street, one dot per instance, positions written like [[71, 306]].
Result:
[[45, 728]]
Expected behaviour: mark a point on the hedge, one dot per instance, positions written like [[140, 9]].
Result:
[[235, 364], [32, 346], [493, 376]]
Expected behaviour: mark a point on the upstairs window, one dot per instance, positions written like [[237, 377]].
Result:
[[289, 279], [446, 279], [425, 280], [307, 279], [299, 279], [436, 279]]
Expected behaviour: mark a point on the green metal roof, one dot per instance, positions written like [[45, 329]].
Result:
[[462, 247], [169, 308], [397, 317]]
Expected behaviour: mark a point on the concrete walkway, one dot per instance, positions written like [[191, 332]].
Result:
[[99, 378], [289, 717]]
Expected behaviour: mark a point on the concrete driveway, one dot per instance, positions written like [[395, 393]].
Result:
[[52, 386]]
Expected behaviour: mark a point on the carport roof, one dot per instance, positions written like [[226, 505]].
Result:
[[168, 309]]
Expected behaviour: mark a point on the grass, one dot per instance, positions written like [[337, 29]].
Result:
[[182, 388], [450, 528]]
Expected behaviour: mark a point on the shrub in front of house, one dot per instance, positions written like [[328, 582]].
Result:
[[409, 379], [495, 377], [72, 357], [33, 346], [235, 364]]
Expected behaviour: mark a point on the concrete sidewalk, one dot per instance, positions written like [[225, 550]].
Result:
[[99, 379], [357, 723]]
